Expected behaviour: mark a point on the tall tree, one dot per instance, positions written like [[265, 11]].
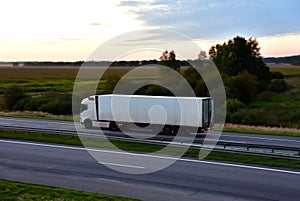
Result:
[[238, 55]]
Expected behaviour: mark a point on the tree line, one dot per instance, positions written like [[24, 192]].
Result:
[[294, 60]]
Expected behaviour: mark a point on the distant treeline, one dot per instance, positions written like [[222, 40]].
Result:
[[294, 60], [92, 63]]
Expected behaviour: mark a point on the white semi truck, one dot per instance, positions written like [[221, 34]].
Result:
[[167, 113]]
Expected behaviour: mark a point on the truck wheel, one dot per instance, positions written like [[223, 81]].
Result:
[[88, 124]]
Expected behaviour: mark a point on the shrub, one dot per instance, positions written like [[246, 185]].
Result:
[[255, 117], [201, 89], [60, 104], [12, 95], [266, 96], [296, 119], [110, 83], [22, 104], [278, 85], [277, 75], [233, 105], [244, 86]]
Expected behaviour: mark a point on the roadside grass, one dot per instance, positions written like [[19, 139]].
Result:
[[17, 191], [39, 115], [146, 148], [280, 109], [237, 128]]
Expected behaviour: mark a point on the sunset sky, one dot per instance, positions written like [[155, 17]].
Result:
[[63, 30]]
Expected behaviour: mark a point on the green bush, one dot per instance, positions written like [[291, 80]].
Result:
[[192, 76], [110, 83], [277, 75], [58, 104], [266, 96], [23, 104], [201, 89], [296, 119], [12, 95], [255, 117], [233, 105], [244, 86], [278, 85]]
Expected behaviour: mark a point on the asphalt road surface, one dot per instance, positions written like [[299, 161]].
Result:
[[73, 167], [226, 136]]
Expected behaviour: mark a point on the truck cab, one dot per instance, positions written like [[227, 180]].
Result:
[[87, 112]]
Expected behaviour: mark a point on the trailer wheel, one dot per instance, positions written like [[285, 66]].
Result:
[[175, 130], [168, 130], [113, 126], [88, 123]]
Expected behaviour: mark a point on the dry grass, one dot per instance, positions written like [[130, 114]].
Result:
[[63, 72], [285, 69], [38, 114], [293, 81], [37, 72], [263, 129]]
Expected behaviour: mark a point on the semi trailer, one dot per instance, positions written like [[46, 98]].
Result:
[[166, 113]]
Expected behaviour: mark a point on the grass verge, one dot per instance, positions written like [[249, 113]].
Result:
[[39, 115], [141, 147], [262, 132], [17, 191]]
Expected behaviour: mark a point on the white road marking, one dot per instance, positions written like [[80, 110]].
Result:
[[122, 165], [151, 156]]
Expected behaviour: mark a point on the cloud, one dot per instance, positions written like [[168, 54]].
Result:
[[131, 3], [95, 24], [218, 19], [61, 40], [150, 37], [72, 39]]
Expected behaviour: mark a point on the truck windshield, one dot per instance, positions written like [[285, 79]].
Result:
[[83, 107]]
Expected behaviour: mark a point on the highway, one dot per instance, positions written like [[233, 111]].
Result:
[[226, 136], [187, 179]]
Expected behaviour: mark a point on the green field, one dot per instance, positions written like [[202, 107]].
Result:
[[36, 80]]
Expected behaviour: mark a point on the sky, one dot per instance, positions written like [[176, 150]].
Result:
[[65, 30]]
